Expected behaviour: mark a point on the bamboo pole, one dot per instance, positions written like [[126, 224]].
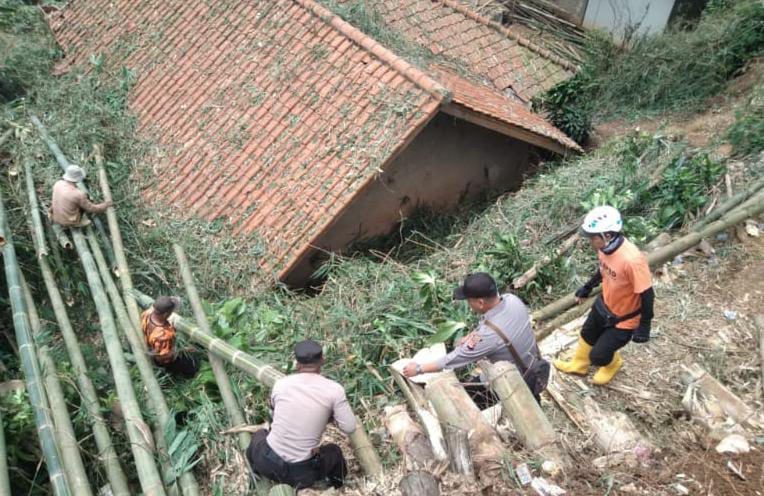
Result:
[[759, 322], [531, 273], [266, 374], [459, 455], [454, 407], [30, 366], [282, 490], [728, 205], [408, 436], [67, 439], [141, 441], [235, 415], [64, 163], [123, 271], [38, 236], [752, 207], [521, 409], [418, 403], [61, 269], [5, 481], [156, 400], [62, 237], [106, 452]]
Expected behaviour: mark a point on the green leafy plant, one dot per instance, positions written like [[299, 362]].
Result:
[[181, 448]]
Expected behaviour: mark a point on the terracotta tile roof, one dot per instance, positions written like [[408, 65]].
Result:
[[269, 114], [513, 118], [502, 57]]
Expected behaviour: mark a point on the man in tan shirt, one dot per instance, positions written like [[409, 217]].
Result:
[[68, 202], [303, 404]]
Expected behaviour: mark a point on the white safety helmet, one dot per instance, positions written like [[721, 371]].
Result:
[[603, 219]]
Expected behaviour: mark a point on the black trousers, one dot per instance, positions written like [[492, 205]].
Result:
[[604, 339], [482, 394], [328, 463], [183, 365]]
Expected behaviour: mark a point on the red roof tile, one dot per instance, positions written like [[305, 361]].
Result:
[[487, 49], [272, 114]]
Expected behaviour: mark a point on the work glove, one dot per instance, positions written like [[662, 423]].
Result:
[[641, 334], [584, 291]]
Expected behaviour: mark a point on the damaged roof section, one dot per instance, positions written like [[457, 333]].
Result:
[[270, 114], [504, 59]]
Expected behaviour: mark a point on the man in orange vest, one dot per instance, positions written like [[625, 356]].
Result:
[[624, 311], [160, 337]]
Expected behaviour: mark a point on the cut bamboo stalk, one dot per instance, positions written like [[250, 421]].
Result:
[[5, 481], [235, 415], [419, 483], [107, 453], [141, 441], [134, 335], [29, 363], [459, 455], [59, 267], [567, 316], [408, 436], [521, 409], [754, 206], [62, 237], [418, 403], [38, 236], [455, 407], [67, 439], [728, 205], [759, 321], [732, 406], [266, 374], [123, 271], [64, 163], [531, 273]]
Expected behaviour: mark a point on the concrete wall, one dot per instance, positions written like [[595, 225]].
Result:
[[617, 16], [449, 161]]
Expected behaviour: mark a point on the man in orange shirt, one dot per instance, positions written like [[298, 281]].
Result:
[[160, 337], [624, 310]]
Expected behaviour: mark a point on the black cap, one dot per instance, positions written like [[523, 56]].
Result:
[[308, 351], [477, 285], [166, 304]]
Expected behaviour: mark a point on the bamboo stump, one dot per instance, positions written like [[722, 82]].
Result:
[[455, 407], [408, 436], [521, 409], [459, 455], [419, 483], [418, 403]]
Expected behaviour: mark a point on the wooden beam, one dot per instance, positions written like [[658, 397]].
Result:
[[477, 118]]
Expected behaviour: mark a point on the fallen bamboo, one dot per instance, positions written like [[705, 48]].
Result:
[[531, 273], [282, 490], [5, 481], [67, 439], [235, 415], [408, 436], [418, 403], [141, 441], [265, 374], [29, 364], [567, 316], [123, 271], [106, 452], [157, 403], [728, 205], [454, 407], [759, 321], [62, 237], [38, 236], [64, 163], [522, 410], [754, 206]]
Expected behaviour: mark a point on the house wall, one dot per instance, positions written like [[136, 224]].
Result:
[[449, 161]]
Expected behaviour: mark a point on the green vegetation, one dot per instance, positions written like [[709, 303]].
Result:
[[746, 135], [676, 70]]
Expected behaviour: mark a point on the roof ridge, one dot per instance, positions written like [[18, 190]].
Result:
[[411, 72], [521, 40]]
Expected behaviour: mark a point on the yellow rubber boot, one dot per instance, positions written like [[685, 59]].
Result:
[[580, 362], [605, 374]]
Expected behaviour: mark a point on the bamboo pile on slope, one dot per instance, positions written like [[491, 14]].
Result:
[[67, 440], [267, 375], [235, 414], [157, 403], [141, 441], [30, 365], [107, 453]]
